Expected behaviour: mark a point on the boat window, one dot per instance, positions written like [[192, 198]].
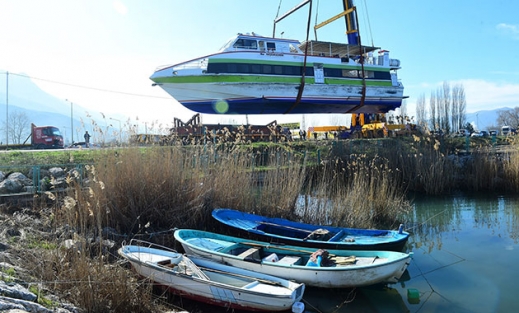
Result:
[[243, 68], [271, 46], [278, 69], [294, 49], [246, 44], [267, 69], [256, 68], [262, 45], [232, 68], [350, 73]]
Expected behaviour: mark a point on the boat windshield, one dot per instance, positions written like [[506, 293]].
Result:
[[228, 44]]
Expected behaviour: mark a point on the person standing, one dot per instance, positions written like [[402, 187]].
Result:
[[87, 139]]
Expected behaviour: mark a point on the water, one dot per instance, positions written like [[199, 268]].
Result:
[[466, 259]]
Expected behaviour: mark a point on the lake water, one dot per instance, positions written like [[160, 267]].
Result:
[[466, 259]]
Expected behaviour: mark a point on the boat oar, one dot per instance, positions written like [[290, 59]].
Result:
[[265, 281]]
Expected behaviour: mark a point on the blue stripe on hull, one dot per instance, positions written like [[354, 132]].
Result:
[[281, 106]]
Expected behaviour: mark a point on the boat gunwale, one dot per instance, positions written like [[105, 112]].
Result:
[[393, 256]]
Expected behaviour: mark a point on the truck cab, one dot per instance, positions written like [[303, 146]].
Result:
[[46, 137]]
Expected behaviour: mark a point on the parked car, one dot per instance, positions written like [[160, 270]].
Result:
[[493, 133], [482, 133], [463, 133]]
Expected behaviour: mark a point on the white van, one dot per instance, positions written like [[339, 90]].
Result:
[[506, 130]]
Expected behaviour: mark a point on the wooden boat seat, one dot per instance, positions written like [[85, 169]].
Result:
[[289, 260], [251, 253]]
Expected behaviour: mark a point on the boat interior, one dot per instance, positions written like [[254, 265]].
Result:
[[186, 267], [293, 256], [319, 234]]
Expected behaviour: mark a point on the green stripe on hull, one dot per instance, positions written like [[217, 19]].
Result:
[[262, 79]]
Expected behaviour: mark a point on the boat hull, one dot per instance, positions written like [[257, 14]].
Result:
[[213, 292], [280, 98], [278, 230], [386, 267]]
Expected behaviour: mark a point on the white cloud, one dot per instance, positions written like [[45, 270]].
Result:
[[509, 29], [120, 7], [487, 95]]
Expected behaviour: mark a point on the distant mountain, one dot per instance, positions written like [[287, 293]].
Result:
[[485, 119], [42, 108]]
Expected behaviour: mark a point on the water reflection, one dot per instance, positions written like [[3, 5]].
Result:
[[434, 218], [465, 260]]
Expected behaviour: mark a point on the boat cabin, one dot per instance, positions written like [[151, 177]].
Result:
[[248, 42]]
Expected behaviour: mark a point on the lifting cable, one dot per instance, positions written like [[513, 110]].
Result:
[[363, 73], [302, 85]]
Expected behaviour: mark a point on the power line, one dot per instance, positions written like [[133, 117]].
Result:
[[90, 88]]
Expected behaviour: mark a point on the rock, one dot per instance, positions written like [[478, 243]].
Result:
[[14, 290], [10, 186], [57, 172], [17, 305]]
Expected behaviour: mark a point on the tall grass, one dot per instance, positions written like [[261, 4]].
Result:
[[144, 191]]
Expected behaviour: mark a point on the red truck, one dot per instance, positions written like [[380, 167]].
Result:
[[45, 137]]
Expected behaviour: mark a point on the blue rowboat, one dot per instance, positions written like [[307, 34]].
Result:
[[313, 267], [278, 230]]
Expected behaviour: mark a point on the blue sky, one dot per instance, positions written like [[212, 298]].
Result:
[[113, 46]]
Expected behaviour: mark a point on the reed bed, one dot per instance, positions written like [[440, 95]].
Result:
[[145, 191]]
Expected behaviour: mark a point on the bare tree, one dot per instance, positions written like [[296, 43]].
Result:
[[434, 118], [459, 107], [446, 104], [19, 127], [508, 117], [421, 113]]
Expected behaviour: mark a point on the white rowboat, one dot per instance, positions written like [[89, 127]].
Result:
[[211, 282], [349, 268]]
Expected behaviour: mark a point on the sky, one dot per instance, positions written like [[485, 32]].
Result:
[[100, 53]]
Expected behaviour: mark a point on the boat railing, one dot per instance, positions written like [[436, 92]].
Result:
[[147, 244], [193, 64]]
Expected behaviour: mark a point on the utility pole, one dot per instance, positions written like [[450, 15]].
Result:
[[7, 109]]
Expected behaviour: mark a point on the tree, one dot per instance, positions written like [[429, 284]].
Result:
[[432, 106], [508, 117], [18, 127], [459, 107], [421, 113]]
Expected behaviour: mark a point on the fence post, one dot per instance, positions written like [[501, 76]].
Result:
[[36, 179]]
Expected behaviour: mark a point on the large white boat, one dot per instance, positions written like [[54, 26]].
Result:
[[253, 74]]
